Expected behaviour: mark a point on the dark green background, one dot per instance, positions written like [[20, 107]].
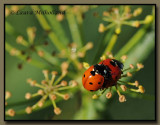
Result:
[[15, 79]]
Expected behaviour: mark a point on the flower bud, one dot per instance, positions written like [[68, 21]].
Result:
[[64, 65], [8, 95], [64, 83], [101, 28], [131, 66], [140, 66], [108, 95], [86, 65], [57, 111], [19, 39], [89, 45], [122, 98], [40, 53], [54, 72], [94, 96], [105, 13], [129, 74], [40, 92], [141, 89], [66, 96], [123, 87], [28, 96], [73, 83], [118, 31], [40, 103], [148, 19], [137, 12], [11, 112], [60, 17], [136, 24], [28, 110], [53, 97], [136, 83], [123, 58]]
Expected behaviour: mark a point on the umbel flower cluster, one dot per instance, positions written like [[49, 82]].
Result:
[[120, 83], [29, 45], [50, 88], [118, 17]]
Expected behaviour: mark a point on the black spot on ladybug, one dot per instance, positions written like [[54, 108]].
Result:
[[91, 90], [91, 83], [113, 63], [99, 82], [93, 73], [84, 75]]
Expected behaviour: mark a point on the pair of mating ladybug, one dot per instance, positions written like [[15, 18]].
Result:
[[102, 75]]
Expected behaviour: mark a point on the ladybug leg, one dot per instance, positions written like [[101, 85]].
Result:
[[104, 89]]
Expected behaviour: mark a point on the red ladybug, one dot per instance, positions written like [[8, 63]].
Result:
[[92, 81], [102, 75]]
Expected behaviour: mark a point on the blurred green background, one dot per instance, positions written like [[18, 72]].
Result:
[[132, 109]]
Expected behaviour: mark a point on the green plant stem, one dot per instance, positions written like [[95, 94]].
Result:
[[74, 61], [111, 43], [74, 28], [47, 28], [56, 25], [133, 41], [39, 86], [59, 79], [9, 29], [48, 57], [64, 88], [108, 34], [54, 104], [42, 99]]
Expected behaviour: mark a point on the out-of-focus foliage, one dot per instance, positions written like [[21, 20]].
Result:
[[77, 30]]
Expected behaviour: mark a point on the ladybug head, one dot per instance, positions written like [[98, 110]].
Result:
[[120, 65]]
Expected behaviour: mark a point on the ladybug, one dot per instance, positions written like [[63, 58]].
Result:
[[102, 75]]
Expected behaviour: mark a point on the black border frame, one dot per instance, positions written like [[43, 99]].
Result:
[[89, 121]]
